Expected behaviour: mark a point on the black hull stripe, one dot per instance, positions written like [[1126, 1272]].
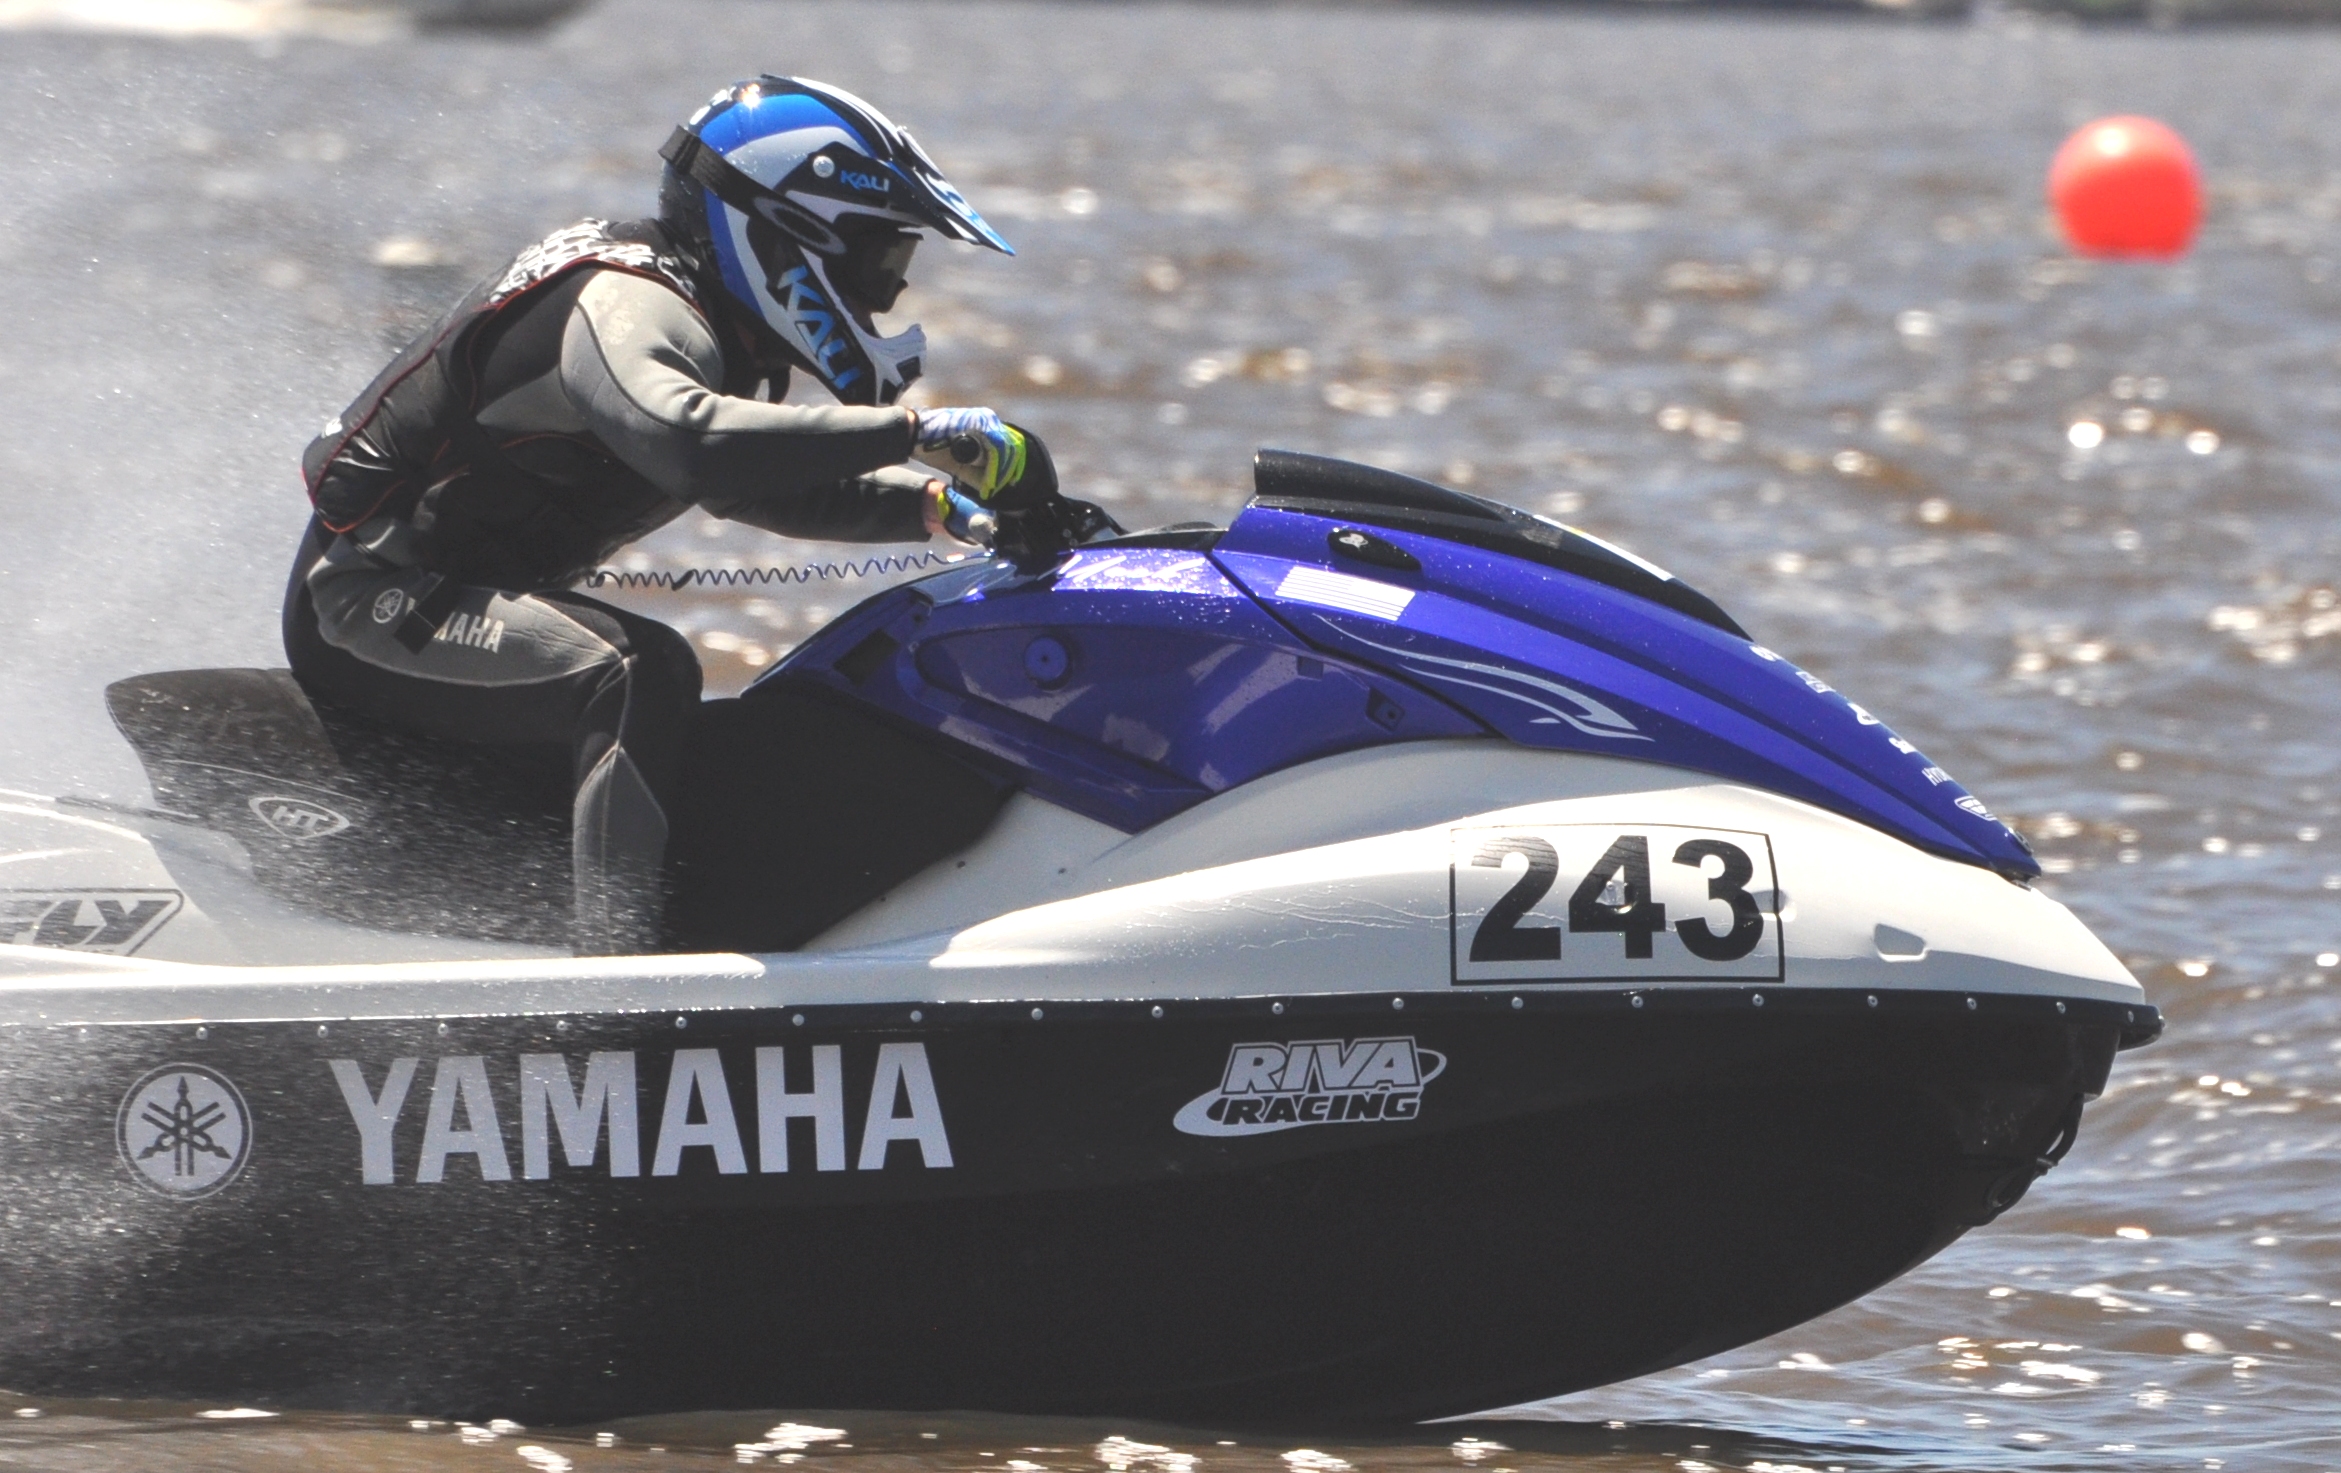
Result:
[[2138, 1023]]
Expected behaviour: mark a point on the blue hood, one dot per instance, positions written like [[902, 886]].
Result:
[[1554, 639], [1350, 608]]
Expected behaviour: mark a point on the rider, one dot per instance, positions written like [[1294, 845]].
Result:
[[613, 376]]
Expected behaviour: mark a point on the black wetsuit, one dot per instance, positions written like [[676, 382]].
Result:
[[588, 394]]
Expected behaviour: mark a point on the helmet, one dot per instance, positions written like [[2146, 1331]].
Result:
[[808, 203]]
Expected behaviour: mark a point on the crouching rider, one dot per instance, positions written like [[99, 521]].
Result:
[[613, 376]]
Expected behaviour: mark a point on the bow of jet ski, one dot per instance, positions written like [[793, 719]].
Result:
[[1388, 958]]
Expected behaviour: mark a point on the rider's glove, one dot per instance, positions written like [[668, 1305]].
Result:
[[962, 518], [973, 447]]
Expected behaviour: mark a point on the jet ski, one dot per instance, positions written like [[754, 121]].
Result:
[[1389, 957]]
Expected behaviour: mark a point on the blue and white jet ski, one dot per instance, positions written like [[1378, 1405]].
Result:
[[1391, 957]]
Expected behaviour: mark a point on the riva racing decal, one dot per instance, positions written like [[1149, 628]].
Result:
[[183, 1131], [589, 1114], [1325, 1081], [116, 922], [1588, 902]]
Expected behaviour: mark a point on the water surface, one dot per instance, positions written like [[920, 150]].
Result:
[[1769, 300]]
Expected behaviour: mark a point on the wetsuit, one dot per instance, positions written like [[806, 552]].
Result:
[[571, 404]]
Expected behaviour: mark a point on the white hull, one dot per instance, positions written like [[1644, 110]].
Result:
[[1351, 874]]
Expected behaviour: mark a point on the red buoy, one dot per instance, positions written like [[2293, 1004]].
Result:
[[2126, 187]]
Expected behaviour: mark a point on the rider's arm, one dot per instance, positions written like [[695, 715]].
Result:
[[860, 509], [640, 365]]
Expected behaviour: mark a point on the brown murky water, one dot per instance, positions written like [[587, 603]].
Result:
[[1768, 299]]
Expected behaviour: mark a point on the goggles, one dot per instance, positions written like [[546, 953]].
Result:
[[875, 267]]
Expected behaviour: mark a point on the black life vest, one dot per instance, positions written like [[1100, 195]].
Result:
[[521, 511]]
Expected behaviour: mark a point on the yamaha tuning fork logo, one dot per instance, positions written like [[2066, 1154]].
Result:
[[1330, 1081], [183, 1131]]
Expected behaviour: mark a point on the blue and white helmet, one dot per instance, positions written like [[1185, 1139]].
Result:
[[809, 201]]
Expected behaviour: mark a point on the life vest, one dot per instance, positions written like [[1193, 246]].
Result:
[[515, 510]]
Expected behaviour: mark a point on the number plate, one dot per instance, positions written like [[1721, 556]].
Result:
[[1585, 902]]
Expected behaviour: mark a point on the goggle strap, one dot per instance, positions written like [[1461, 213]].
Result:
[[690, 156]]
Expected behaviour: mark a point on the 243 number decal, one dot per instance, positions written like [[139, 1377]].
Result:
[[1705, 910], [1499, 937]]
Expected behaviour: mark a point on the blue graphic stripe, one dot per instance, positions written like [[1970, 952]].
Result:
[[770, 114], [727, 255]]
